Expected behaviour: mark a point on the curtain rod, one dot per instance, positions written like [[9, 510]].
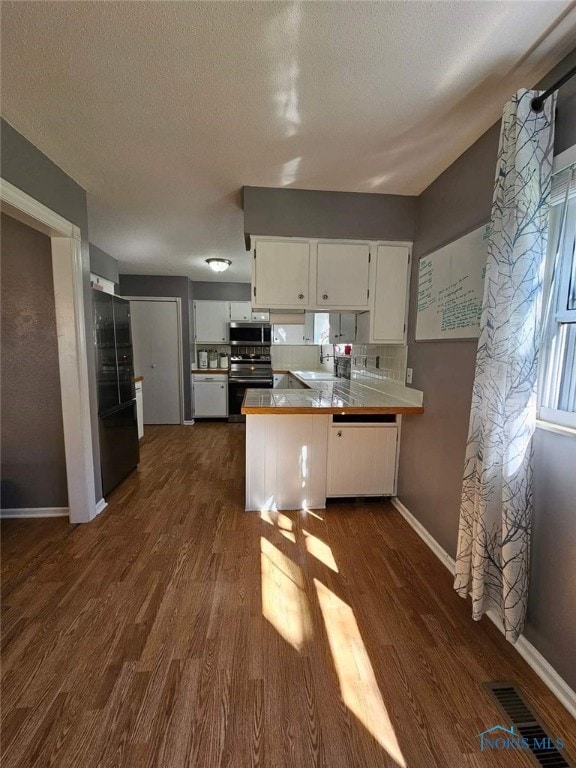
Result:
[[537, 103]]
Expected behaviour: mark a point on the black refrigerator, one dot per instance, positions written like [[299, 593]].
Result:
[[118, 427]]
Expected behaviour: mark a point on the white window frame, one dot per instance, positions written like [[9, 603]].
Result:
[[550, 418]]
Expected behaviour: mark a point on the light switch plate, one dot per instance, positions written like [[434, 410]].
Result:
[[408, 375]]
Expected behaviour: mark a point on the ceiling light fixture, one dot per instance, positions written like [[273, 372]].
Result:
[[218, 265]]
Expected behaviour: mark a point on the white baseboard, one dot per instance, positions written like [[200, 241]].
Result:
[[533, 657], [188, 423], [31, 512], [440, 553], [100, 507]]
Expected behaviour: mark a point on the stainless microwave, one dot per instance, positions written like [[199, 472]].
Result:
[[250, 334]]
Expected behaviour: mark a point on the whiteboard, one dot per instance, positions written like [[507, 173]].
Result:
[[451, 288]]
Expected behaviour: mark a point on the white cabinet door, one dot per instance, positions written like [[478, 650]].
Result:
[[391, 293], [342, 327], [342, 275], [260, 317], [309, 325], [361, 460], [211, 398], [211, 320], [240, 312], [139, 410], [288, 334], [294, 383], [334, 328], [281, 381], [347, 328], [281, 274]]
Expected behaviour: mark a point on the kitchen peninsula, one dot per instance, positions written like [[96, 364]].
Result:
[[332, 438]]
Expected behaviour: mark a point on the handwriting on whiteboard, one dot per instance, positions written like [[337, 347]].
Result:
[[450, 289]]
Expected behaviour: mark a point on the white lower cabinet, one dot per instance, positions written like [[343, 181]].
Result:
[[286, 461], [210, 396], [281, 381], [361, 459], [139, 409], [294, 383], [297, 461]]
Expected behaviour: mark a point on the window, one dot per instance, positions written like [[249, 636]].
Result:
[[557, 390], [321, 328]]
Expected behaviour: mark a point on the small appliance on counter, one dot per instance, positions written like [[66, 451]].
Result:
[[343, 366], [213, 358], [202, 358], [223, 364]]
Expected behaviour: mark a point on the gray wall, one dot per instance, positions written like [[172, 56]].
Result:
[[213, 291], [160, 285], [33, 469], [311, 213], [31, 171], [433, 445], [102, 264]]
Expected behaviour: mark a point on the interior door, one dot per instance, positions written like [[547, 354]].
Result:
[[156, 341]]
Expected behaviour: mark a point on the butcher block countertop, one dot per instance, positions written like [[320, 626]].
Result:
[[326, 397], [138, 378]]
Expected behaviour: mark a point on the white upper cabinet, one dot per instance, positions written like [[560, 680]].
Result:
[[336, 277], [240, 312], [386, 321], [211, 320], [342, 327], [342, 275], [281, 274], [287, 334]]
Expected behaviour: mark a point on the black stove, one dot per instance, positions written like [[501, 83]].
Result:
[[248, 370]]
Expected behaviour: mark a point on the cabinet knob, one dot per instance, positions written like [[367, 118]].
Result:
[[339, 433], [152, 366], [221, 386], [300, 295], [324, 296]]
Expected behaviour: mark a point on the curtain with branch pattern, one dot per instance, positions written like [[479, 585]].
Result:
[[492, 563]]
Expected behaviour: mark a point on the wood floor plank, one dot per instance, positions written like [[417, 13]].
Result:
[[178, 631]]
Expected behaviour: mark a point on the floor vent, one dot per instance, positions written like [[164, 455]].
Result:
[[542, 747]]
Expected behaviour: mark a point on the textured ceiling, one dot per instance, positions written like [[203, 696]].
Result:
[[162, 111]]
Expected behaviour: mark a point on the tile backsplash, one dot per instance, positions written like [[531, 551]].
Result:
[[386, 362], [299, 357]]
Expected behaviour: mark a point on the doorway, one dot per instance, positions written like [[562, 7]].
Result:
[[157, 342], [67, 274]]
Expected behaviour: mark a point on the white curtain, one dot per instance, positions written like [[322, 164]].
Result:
[[492, 561]]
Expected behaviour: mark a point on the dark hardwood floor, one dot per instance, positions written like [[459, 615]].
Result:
[[179, 630]]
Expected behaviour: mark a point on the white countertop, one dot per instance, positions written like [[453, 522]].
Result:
[[329, 396]]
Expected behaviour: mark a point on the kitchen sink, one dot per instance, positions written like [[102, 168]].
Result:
[[316, 376]]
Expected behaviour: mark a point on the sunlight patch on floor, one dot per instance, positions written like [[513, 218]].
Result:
[[284, 602], [320, 550], [358, 684]]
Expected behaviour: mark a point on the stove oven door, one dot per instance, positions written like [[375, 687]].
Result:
[[237, 388]]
